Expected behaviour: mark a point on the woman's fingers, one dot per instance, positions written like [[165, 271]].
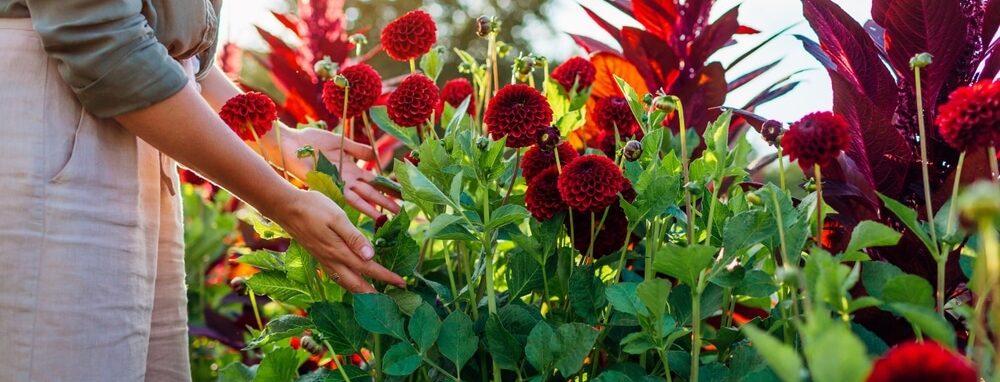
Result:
[[348, 279], [378, 272], [360, 204], [329, 142], [355, 241], [370, 194]]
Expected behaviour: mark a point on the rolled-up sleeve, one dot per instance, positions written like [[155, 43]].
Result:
[[107, 53]]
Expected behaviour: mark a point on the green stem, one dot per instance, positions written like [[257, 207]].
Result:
[[256, 312], [711, 211], [490, 289], [441, 369], [819, 204], [993, 162], [413, 66], [781, 168], [923, 164], [340, 368], [942, 256], [451, 272], [371, 141], [379, 377], [343, 130], [687, 176], [666, 365], [990, 248], [695, 328]]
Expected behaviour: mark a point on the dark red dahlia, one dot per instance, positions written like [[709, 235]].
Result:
[[413, 102], [542, 197], [547, 138], [409, 36], [365, 88], [591, 183], [928, 362], [249, 114], [614, 112], [628, 192], [517, 112], [971, 118], [576, 70], [456, 91], [610, 237], [817, 138], [537, 160]]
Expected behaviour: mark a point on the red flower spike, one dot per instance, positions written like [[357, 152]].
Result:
[[413, 102], [591, 183], [971, 118], [537, 160], [610, 237], [542, 197], [928, 362], [817, 138], [251, 110], [612, 112], [365, 88], [577, 70], [456, 91], [410, 36], [517, 112]]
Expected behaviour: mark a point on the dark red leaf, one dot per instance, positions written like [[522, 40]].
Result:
[[743, 29], [656, 16], [991, 20], [591, 45], [992, 65], [655, 61], [714, 37], [744, 79], [758, 46], [289, 21]]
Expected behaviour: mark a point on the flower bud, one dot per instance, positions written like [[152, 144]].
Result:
[[486, 25], [632, 150], [666, 104], [322, 125], [306, 151], [483, 143], [548, 138], [380, 221], [311, 345], [810, 185], [465, 68], [647, 99], [754, 199], [341, 81], [239, 284], [358, 39], [325, 68], [541, 61], [980, 201], [771, 130], [921, 60]]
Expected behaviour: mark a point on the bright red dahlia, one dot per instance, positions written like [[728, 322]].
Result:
[[612, 112], [971, 117], [927, 362], [517, 112], [413, 102], [577, 70], [817, 138], [249, 114], [365, 88], [591, 183], [542, 197], [456, 91], [537, 160], [409, 36], [611, 236]]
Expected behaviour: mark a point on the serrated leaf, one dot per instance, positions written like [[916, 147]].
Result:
[[929, 322], [586, 294], [909, 289], [541, 347], [327, 185], [684, 263], [280, 365], [263, 259], [377, 313], [424, 327], [654, 294], [634, 102], [576, 341], [506, 351], [336, 323], [395, 248], [872, 234], [909, 217], [623, 298], [848, 363], [782, 358], [280, 328], [525, 274], [275, 285], [459, 342], [876, 274], [401, 360], [507, 214], [380, 117]]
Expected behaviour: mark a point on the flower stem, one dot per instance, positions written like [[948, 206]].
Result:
[[413, 66], [281, 152], [819, 203], [781, 168], [371, 141], [494, 62], [711, 211], [923, 162], [256, 312], [695, 328], [687, 175], [340, 368], [993, 163], [491, 296], [343, 130]]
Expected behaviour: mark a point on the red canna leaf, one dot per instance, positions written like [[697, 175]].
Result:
[[714, 37], [591, 45], [601, 22], [743, 29], [656, 16], [991, 20]]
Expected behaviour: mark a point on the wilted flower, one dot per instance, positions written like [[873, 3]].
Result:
[[365, 88], [409, 36], [517, 112], [413, 102], [249, 113]]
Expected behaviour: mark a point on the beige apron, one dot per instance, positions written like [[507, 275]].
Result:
[[91, 244]]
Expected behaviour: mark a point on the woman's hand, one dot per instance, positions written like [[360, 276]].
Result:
[[324, 230], [357, 191]]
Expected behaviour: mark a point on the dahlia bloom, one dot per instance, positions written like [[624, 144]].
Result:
[[517, 112], [409, 36], [817, 138], [457, 90], [576, 70], [413, 102], [971, 117], [249, 114], [365, 88], [613, 112], [591, 183], [610, 236], [537, 160], [542, 198], [926, 361]]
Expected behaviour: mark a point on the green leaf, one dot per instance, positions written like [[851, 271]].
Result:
[[506, 351], [280, 365], [876, 274], [326, 185], [395, 248], [353, 372], [684, 263], [431, 63], [909, 289], [541, 347], [525, 275], [746, 229], [634, 102], [586, 294], [837, 355], [417, 186], [872, 234], [756, 283], [275, 285], [380, 117], [278, 329], [237, 372], [782, 358], [299, 265], [424, 327], [623, 298], [613, 376], [909, 217], [507, 214], [458, 342], [654, 294], [637, 343], [377, 313], [407, 301], [575, 340], [335, 321], [263, 259], [928, 321], [401, 360]]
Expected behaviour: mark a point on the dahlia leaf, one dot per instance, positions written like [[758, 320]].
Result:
[[424, 327], [277, 286], [395, 249], [928, 322], [684, 263], [848, 363], [280, 328], [623, 298], [459, 342], [909, 218], [876, 274], [542, 346], [872, 234], [908, 289], [576, 340], [237, 372], [335, 321], [782, 358], [449, 227], [416, 186], [401, 360], [431, 63], [507, 214], [279, 365], [653, 294], [378, 313], [457, 115], [263, 259], [506, 351], [380, 116], [634, 102], [525, 275], [327, 185], [756, 283], [586, 294]]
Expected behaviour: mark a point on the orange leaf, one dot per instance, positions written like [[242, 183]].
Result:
[[608, 66]]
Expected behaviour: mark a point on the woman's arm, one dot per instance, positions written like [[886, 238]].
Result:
[[200, 139]]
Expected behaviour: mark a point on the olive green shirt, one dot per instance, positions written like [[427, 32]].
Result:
[[121, 55]]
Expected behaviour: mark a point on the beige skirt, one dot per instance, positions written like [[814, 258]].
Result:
[[91, 244]]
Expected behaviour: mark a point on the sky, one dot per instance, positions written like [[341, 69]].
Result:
[[768, 16]]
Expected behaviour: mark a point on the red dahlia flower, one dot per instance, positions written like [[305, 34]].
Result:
[[926, 361], [249, 114], [413, 102], [591, 183], [456, 91], [610, 237], [517, 112], [409, 36], [576, 70], [365, 88], [542, 197], [971, 118], [537, 160], [614, 112], [817, 138]]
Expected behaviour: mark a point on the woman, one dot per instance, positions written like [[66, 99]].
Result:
[[97, 98]]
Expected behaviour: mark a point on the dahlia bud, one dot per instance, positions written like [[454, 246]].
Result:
[[358, 39], [502, 49], [239, 284], [980, 201], [647, 99], [541, 61], [666, 104], [341, 81], [810, 185], [486, 25], [306, 151], [754, 199], [548, 138], [325, 68], [321, 124], [632, 150], [483, 143], [465, 68], [380, 221], [921, 60], [771, 130], [311, 345]]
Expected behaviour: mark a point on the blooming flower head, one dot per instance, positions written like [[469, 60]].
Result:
[[413, 102], [971, 117], [591, 183], [613, 112], [926, 361], [542, 197], [537, 160], [456, 91], [517, 112], [251, 115], [817, 138], [577, 70], [610, 235], [364, 88], [409, 36]]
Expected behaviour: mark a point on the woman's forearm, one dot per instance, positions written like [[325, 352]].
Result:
[[199, 139]]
